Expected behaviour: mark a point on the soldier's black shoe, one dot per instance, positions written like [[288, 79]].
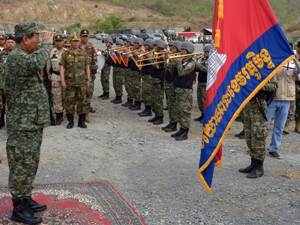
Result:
[[249, 168], [92, 110], [258, 169], [24, 214], [166, 108], [274, 155], [59, 118], [147, 112], [183, 135], [240, 135], [152, 119], [128, 103], [198, 119], [2, 121], [104, 96], [136, 106], [81, 121], [70, 118], [117, 100], [177, 133], [52, 121], [159, 120], [35, 206], [170, 127]]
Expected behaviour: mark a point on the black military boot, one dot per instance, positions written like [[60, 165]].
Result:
[[2, 120], [147, 111], [153, 119], [136, 106], [172, 126], [249, 168], [70, 118], [240, 135], [117, 100], [81, 121], [35, 206], [52, 120], [258, 169], [59, 118], [177, 133], [183, 135], [128, 103], [24, 214], [159, 120], [104, 96]]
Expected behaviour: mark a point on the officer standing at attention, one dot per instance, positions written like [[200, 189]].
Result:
[[53, 71], [90, 50], [75, 79], [28, 114]]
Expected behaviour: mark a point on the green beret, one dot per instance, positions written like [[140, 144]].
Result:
[[27, 28]]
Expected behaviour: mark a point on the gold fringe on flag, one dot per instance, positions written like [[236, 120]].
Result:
[[221, 9], [217, 38]]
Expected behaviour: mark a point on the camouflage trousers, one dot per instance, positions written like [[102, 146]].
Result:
[[184, 102], [57, 96], [157, 97], [134, 85], [76, 96], [297, 112], [2, 100], [256, 130], [127, 83], [147, 89], [90, 92], [105, 74], [201, 89], [171, 101], [23, 155], [118, 80]]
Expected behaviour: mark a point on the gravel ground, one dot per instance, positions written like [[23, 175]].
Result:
[[158, 175]]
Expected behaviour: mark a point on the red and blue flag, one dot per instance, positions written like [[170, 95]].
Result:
[[249, 49]]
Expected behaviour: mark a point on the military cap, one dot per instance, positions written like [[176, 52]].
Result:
[[84, 33], [207, 48], [27, 28], [74, 38], [119, 41], [160, 43], [149, 42], [176, 44], [186, 45], [58, 37], [11, 37], [108, 39], [138, 41], [2, 37]]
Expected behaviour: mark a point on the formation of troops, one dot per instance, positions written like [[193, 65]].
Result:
[[148, 69]]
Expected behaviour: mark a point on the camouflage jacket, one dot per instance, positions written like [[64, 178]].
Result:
[[27, 99], [91, 52], [3, 58], [74, 63]]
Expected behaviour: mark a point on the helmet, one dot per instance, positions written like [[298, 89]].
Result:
[[186, 45]]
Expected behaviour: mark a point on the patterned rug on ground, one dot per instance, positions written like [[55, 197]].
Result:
[[92, 203]]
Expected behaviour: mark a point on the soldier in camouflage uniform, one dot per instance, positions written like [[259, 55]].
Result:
[[105, 72], [147, 79], [9, 46], [169, 87], [183, 84], [297, 112], [88, 47], [53, 72], [201, 68], [118, 77], [256, 129], [27, 115], [157, 93], [75, 78]]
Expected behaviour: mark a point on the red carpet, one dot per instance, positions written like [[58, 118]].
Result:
[[93, 203]]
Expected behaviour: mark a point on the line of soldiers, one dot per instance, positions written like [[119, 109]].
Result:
[[150, 68]]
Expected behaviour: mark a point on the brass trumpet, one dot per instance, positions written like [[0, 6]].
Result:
[[185, 55]]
